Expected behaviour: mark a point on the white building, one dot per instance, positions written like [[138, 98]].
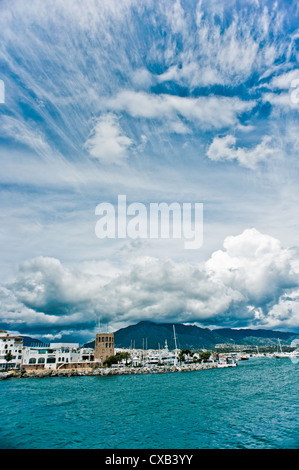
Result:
[[56, 355], [14, 355], [10, 348]]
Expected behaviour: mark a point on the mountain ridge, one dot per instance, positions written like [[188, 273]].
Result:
[[151, 335]]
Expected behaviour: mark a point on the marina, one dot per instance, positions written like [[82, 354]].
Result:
[[68, 359]]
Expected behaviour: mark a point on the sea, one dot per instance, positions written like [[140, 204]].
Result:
[[251, 406]]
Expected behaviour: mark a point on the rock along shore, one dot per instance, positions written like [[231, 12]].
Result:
[[107, 371]]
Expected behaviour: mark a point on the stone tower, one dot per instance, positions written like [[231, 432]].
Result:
[[104, 346]]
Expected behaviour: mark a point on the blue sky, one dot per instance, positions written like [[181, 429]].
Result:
[[167, 101]]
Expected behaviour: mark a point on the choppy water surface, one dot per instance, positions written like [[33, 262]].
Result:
[[254, 405]]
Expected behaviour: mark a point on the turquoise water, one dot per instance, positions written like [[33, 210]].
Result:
[[252, 406]]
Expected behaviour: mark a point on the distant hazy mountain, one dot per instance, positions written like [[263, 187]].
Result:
[[28, 341], [153, 335]]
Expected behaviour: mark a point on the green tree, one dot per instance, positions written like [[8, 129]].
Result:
[[204, 355], [118, 357], [183, 353]]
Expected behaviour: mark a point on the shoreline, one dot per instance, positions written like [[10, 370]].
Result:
[[107, 371]]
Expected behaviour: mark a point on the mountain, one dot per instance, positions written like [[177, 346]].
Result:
[[258, 336], [28, 341], [150, 335]]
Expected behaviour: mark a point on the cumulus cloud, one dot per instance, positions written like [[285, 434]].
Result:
[[253, 264], [244, 283], [286, 312], [47, 299], [16, 315], [107, 142], [44, 284], [225, 149]]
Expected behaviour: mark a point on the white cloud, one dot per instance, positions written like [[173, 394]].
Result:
[[178, 127], [176, 18], [28, 135], [225, 149], [107, 142], [44, 281], [253, 264], [284, 81], [283, 100], [239, 283], [221, 52], [209, 111], [285, 313], [284, 92], [142, 77], [192, 73]]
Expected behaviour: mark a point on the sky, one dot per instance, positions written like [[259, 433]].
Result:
[[161, 101]]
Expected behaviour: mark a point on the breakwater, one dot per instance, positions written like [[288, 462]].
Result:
[[106, 371]]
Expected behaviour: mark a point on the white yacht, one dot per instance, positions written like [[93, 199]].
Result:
[[283, 354], [227, 361]]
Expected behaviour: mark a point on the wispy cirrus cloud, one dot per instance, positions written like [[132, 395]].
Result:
[[205, 46], [220, 52]]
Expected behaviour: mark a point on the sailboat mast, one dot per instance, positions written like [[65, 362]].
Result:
[[176, 352], [174, 337], [280, 345]]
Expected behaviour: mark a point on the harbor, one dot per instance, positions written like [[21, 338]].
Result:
[[68, 359]]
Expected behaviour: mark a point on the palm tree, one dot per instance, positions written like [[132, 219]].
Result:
[[126, 356]]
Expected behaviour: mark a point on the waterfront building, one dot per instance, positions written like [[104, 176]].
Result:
[[10, 348], [57, 356], [104, 346]]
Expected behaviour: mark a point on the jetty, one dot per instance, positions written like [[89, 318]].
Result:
[[108, 371]]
